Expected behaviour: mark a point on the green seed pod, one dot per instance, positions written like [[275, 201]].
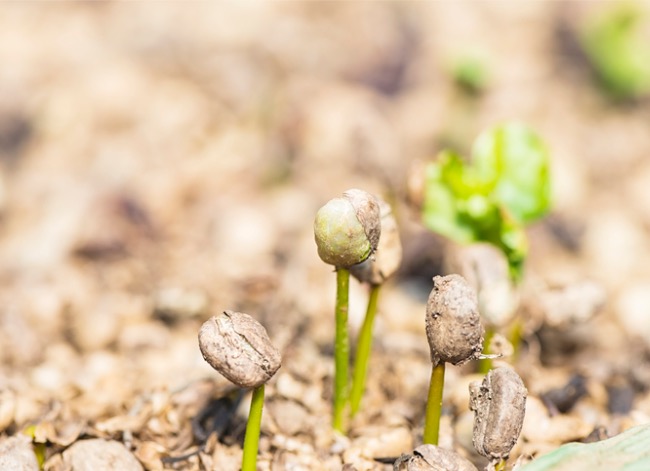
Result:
[[238, 347], [375, 270], [499, 405], [453, 325], [347, 229]]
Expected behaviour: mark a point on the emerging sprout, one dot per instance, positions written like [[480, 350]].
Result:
[[455, 336], [238, 347], [432, 458], [347, 232], [374, 271], [347, 229], [499, 405]]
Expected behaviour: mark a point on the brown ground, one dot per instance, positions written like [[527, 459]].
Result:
[[164, 161]]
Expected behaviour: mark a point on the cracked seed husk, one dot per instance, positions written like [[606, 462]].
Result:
[[453, 324], [499, 405], [375, 270], [239, 348], [347, 229], [433, 458]]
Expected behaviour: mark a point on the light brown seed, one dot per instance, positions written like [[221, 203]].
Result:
[[239, 348], [499, 405], [433, 458], [453, 324], [375, 270]]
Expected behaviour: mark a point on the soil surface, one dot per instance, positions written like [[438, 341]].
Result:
[[163, 162]]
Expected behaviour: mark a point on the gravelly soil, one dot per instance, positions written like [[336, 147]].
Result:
[[160, 162]]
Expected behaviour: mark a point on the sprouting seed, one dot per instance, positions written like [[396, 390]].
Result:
[[239, 348], [455, 336], [347, 231]]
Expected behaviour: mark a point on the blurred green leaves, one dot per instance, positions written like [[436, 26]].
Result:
[[504, 187], [629, 451], [470, 73], [618, 51]]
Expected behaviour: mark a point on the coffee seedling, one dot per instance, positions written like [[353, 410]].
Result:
[[347, 231], [491, 198], [455, 336], [499, 405], [374, 271], [238, 347]]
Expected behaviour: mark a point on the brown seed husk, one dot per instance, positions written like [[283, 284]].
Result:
[[499, 405], [239, 348], [453, 324], [433, 458], [368, 213], [375, 270]]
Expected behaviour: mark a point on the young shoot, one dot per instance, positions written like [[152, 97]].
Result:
[[455, 336], [374, 271], [494, 196], [347, 231], [239, 348], [499, 405], [491, 198]]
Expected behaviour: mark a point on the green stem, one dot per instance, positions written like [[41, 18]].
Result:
[[364, 344], [434, 405], [341, 348], [516, 334], [252, 438], [485, 364], [500, 466]]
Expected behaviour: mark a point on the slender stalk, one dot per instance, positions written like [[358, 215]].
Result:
[[434, 405], [485, 364], [500, 466], [341, 348], [252, 438], [516, 335], [364, 345]]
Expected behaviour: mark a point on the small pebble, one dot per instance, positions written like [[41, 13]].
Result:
[[100, 455], [17, 454]]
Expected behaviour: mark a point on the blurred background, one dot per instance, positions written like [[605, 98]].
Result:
[[162, 161]]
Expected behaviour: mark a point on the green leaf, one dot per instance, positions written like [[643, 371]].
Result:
[[618, 51], [517, 159], [493, 197], [629, 451]]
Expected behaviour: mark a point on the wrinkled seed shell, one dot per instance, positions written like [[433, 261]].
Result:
[[375, 270], [368, 213], [499, 405], [453, 324], [433, 458], [238, 347]]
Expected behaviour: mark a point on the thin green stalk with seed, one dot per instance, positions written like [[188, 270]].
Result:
[[455, 336], [346, 231]]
